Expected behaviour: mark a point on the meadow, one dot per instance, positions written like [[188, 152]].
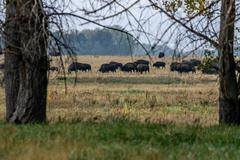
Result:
[[156, 115]]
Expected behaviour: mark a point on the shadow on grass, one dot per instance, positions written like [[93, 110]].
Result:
[[118, 139]]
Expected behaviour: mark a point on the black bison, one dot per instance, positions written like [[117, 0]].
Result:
[[186, 68], [159, 64], [161, 55], [53, 69], [76, 66], [108, 68], [141, 61], [119, 65], [192, 62], [195, 62], [211, 67], [210, 71], [142, 68], [174, 66], [182, 67], [129, 67]]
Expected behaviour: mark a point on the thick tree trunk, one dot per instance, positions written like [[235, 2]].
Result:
[[228, 91], [12, 53], [30, 104]]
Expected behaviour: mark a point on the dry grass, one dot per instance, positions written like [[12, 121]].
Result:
[[152, 103], [194, 100], [180, 103]]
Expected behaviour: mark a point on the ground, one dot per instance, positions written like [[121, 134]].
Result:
[[157, 115]]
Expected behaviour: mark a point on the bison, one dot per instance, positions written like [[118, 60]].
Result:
[[174, 66], [129, 67], [161, 55], [210, 71], [108, 68], [195, 62], [186, 68], [192, 62], [141, 61], [142, 68], [182, 67], [119, 65], [159, 64], [76, 66]]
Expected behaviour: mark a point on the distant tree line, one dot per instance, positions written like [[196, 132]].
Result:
[[102, 41], [99, 42]]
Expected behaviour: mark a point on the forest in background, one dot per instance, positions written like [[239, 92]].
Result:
[[107, 42]]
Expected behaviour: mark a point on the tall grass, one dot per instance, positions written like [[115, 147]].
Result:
[[118, 139]]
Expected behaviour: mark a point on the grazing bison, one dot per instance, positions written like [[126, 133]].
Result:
[[76, 66], [129, 67], [161, 55], [174, 66], [85, 67], [159, 64], [182, 67], [108, 68], [210, 67], [119, 65], [192, 62], [53, 69], [186, 68], [210, 71], [141, 61], [142, 68], [195, 62]]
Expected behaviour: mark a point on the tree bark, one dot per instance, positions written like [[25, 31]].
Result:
[[12, 53], [228, 90], [29, 106]]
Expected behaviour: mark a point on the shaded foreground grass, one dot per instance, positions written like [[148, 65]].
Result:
[[118, 139]]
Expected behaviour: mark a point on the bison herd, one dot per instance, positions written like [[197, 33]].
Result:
[[139, 66], [185, 66]]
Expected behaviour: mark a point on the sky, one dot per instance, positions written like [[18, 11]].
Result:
[[152, 26], [156, 26]]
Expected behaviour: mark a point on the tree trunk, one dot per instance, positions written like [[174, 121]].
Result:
[[30, 102], [12, 53], [228, 91]]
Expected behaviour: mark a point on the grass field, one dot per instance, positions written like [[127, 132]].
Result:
[[158, 115]]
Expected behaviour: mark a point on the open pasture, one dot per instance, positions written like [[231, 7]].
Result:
[[158, 96], [156, 115]]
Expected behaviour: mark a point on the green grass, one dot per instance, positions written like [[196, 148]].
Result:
[[118, 139]]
